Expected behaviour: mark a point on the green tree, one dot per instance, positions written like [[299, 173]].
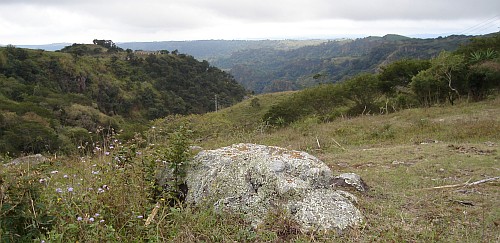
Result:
[[447, 66], [427, 88], [363, 90], [400, 73], [483, 78]]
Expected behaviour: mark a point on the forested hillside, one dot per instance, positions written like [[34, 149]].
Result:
[[265, 66], [470, 73], [57, 101], [270, 70]]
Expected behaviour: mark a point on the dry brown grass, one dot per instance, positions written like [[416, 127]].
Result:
[[400, 155]]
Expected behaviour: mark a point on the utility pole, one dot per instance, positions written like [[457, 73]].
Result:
[[216, 105]]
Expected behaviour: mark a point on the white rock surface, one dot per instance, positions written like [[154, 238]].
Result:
[[254, 179]]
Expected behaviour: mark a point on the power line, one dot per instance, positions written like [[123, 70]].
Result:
[[492, 25], [480, 26], [476, 25]]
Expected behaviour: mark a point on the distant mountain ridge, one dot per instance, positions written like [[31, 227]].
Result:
[[212, 50], [47, 47]]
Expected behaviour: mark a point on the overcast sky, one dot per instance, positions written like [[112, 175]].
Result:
[[81, 21]]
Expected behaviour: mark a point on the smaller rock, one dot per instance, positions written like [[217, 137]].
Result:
[[195, 149], [396, 162], [490, 144], [350, 180], [32, 159]]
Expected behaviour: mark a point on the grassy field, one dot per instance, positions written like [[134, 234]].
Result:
[[416, 162]]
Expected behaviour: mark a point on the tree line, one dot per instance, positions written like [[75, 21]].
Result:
[[270, 69], [471, 73]]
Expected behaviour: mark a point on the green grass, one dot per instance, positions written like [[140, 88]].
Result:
[[401, 156]]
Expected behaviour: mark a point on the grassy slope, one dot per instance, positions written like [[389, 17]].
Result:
[[399, 155]]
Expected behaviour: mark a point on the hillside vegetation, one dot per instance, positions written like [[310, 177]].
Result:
[[57, 101], [423, 134], [269, 69], [107, 195]]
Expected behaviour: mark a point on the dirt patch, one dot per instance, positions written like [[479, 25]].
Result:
[[470, 150]]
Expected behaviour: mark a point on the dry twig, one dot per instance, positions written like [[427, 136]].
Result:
[[152, 214], [465, 184]]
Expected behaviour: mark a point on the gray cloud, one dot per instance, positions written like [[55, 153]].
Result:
[[169, 19]]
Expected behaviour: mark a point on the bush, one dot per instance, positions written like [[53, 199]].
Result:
[[23, 214], [174, 162], [321, 101], [31, 137]]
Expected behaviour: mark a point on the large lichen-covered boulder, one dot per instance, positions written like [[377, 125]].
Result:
[[254, 179]]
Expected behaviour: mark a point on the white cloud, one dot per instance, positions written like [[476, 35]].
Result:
[[37, 22]]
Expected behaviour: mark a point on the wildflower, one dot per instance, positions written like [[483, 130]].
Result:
[[101, 221], [59, 190], [95, 172], [138, 153], [43, 180], [140, 217], [79, 218], [65, 176], [111, 146], [105, 187], [94, 165], [96, 215], [91, 219], [106, 153], [54, 172], [70, 189], [100, 190]]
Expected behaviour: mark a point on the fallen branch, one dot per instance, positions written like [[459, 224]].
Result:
[[483, 181], [465, 184], [465, 203], [152, 214], [338, 144]]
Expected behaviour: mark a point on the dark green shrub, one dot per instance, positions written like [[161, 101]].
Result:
[[31, 137], [322, 100], [23, 215]]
